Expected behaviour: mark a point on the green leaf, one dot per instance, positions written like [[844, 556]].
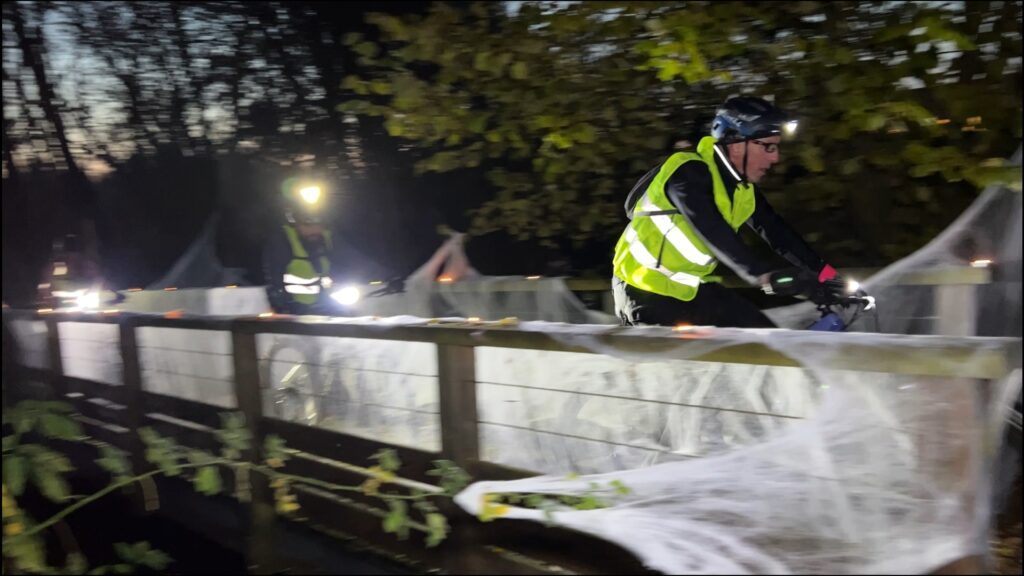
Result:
[[366, 49], [114, 460], [28, 554], [234, 434], [45, 458], [59, 427], [274, 447], [380, 87], [589, 502], [15, 473], [387, 459], [519, 71], [481, 61], [620, 488], [437, 529], [811, 158], [50, 483], [149, 436], [452, 478], [535, 501], [141, 554], [199, 457], [75, 564], [397, 519], [207, 481], [125, 551], [22, 419]]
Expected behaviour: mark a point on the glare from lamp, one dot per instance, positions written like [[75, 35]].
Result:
[[852, 286], [346, 296], [981, 263], [310, 194], [789, 128], [89, 301], [446, 279]]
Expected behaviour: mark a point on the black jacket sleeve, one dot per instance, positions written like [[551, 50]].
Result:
[[276, 256], [691, 191], [782, 239]]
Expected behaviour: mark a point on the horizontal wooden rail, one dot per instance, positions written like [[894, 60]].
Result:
[[940, 356]]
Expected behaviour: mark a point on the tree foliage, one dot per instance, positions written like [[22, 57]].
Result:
[[906, 108]]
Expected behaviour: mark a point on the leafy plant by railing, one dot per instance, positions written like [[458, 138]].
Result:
[[39, 464], [47, 469]]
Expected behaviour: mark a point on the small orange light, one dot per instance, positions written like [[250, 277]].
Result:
[[45, 310], [174, 314], [446, 279], [135, 290], [473, 319], [942, 121], [533, 277], [376, 283], [983, 263], [112, 311], [266, 314], [232, 286], [682, 327], [172, 289]]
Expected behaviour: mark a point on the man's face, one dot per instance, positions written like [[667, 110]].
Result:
[[762, 154], [309, 229]]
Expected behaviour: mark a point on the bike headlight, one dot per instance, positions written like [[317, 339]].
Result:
[[89, 301], [852, 286], [346, 296]]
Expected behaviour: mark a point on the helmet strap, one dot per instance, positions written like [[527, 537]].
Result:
[[746, 149], [728, 164]]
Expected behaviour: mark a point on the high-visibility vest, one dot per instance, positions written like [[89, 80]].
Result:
[[301, 279], [658, 251]]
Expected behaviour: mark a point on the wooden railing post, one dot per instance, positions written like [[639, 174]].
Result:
[[456, 369], [56, 371], [131, 381], [259, 515], [460, 443]]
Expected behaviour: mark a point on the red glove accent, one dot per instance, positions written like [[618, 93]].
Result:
[[827, 273]]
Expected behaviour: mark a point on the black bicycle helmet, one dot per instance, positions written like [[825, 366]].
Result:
[[747, 118]]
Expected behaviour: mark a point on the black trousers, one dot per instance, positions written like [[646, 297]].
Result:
[[714, 305]]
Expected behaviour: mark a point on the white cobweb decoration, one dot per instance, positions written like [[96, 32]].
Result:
[[874, 482], [888, 474]]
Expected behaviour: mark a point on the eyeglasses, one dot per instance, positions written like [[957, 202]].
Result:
[[769, 147]]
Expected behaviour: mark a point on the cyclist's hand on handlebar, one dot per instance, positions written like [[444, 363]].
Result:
[[821, 288], [788, 282]]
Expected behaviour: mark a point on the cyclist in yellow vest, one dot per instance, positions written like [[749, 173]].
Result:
[[685, 216], [297, 260]]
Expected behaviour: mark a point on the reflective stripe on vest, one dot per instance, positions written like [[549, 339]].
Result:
[[659, 252], [676, 237], [301, 278]]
